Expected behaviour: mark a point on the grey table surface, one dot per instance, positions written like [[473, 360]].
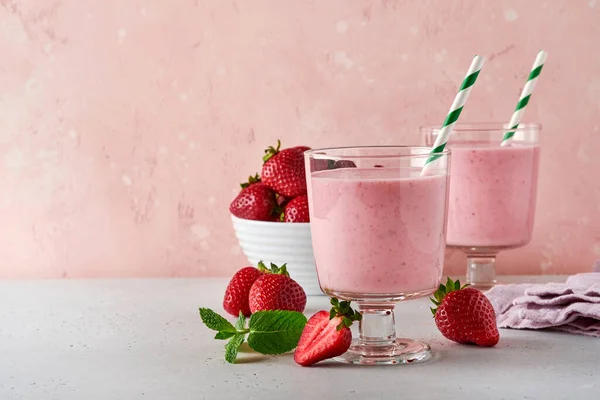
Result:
[[143, 339]]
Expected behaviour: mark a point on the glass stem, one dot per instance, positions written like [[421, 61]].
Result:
[[481, 270], [378, 325]]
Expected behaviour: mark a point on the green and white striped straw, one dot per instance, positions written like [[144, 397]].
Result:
[[454, 113], [525, 96]]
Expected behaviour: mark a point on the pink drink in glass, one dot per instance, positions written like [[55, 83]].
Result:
[[492, 194], [378, 231]]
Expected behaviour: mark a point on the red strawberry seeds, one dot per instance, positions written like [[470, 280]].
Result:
[[256, 202], [238, 290], [297, 210], [275, 290], [283, 171], [465, 315]]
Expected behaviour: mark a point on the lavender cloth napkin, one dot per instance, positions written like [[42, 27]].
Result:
[[573, 306]]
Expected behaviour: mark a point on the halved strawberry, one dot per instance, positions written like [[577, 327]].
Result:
[[326, 334]]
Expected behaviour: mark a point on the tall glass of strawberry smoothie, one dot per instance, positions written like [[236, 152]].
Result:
[[492, 193], [378, 232]]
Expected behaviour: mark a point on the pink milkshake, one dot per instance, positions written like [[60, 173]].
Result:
[[378, 232], [492, 194]]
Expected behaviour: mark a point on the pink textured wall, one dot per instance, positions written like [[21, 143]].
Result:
[[125, 126]]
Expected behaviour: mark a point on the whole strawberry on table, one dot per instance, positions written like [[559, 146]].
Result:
[[279, 193], [465, 315], [258, 289]]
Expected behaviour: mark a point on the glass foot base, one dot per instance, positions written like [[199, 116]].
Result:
[[401, 351]]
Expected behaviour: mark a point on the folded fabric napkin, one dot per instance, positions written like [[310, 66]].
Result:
[[573, 306]]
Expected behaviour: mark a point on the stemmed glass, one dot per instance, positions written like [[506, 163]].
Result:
[[378, 232], [492, 193]]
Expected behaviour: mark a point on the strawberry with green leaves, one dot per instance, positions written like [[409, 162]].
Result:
[[326, 334], [275, 290], [465, 315], [283, 170], [268, 332], [256, 202]]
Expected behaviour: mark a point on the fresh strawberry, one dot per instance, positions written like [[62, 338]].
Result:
[[283, 171], [251, 181], [238, 290], [296, 210], [275, 290], [465, 315], [344, 164], [256, 202], [326, 334]]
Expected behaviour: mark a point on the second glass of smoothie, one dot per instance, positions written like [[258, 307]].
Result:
[[378, 233], [492, 193]]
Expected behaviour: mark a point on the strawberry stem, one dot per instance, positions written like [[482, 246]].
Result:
[[442, 292], [271, 151], [251, 180], [276, 270], [343, 310]]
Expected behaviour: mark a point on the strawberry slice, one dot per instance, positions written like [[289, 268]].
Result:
[[326, 334]]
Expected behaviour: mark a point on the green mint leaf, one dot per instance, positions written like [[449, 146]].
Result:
[[241, 322], [275, 331], [215, 322], [224, 335], [231, 349]]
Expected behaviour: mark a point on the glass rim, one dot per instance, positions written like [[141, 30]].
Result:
[[321, 153], [483, 126]]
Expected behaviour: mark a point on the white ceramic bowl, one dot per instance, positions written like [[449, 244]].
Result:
[[280, 243]]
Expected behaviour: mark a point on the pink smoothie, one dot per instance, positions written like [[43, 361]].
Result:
[[378, 231], [492, 194]]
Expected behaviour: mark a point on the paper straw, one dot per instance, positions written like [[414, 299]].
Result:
[[525, 96], [454, 113]]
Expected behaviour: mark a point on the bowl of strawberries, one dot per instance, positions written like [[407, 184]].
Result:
[[270, 216]]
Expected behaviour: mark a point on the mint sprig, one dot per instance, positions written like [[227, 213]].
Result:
[[275, 332], [269, 332], [217, 323]]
